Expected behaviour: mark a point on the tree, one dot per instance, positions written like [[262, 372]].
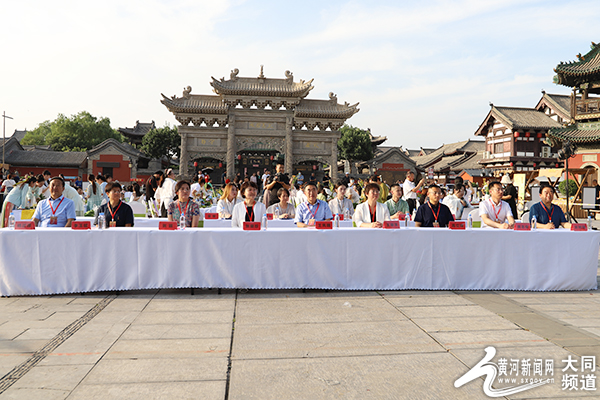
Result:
[[354, 145], [79, 132], [562, 187], [162, 142]]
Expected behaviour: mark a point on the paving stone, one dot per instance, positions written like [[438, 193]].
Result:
[[193, 304], [479, 339], [416, 301], [226, 294], [324, 310], [446, 312], [59, 377], [157, 370], [152, 391], [298, 294], [170, 348], [405, 376], [21, 346], [178, 331], [471, 356], [29, 394], [184, 317], [485, 323], [10, 361], [39, 333], [335, 339], [127, 304]]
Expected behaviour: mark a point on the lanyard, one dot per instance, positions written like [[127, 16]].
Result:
[[179, 206], [55, 209], [434, 214], [112, 214], [310, 211], [549, 213], [374, 213], [251, 215], [496, 213]]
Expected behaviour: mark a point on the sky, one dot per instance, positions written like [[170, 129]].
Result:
[[423, 72]]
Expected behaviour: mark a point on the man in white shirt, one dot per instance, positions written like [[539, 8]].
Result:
[[456, 201], [8, 184], [265, 178], [410, 190], [494, 212]]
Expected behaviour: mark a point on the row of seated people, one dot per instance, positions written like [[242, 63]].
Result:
[[58, 211]]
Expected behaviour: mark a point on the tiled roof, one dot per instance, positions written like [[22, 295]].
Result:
[[587, 64], [46, 158], [324, 109], [448, 150], [195, 104], [19, 135], [140, 129], [262, 87], [523, 118], [575, 134], [125, 148]]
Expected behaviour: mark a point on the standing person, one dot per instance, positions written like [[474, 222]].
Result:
[[167, 192], [433, 213], [248, 210], [14, 200], [8, 184], [47, 175], [510, 194], [548, 215], [254, 178], [116, 212], [265, 178], [313, 210], [597, 187], [184, 205], [396, 205], [494, 211], [56, 211], [456, 201], [300, 178], [151, 186], [94, 193], [410, 190], [371, 213], [224, 178], [102, 182], [341, 202], [276, 182]]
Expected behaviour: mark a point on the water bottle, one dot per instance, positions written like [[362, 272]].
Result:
[[276, 213], [346, 214], [533, 223], [470, 221], [11, 220], [336, 221], [101, 221], [182, 222], [406, 218], [589, 222], [263, 223]]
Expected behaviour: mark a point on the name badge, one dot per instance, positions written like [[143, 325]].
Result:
[[436, 224], [522, 226], [579, 227], [167, 226], [81, 225], [211, 216], [391, 224], [112, 224], [251, 226], [324, 225], [24, 225], [457, 225], [53, 221]]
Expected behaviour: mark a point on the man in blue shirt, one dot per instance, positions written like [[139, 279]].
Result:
[[548, 215], [56, 211], [307, 213]]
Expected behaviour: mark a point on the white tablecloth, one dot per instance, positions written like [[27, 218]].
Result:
[[60, 260], [276, 223]]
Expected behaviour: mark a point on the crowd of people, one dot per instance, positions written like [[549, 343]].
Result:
[[305, 201]]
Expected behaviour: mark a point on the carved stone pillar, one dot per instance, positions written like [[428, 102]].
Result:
[[289, 147], [333, 159], [231, 147], [184, 159], [133, 171]]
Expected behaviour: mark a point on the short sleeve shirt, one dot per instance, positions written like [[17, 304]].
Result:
[[319, 211], [191, 210], [400, 206], [497, 213], [62, 208], [408, 186], [425, 215], [544, 215], [122, 214]]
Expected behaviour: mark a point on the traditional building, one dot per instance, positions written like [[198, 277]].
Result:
[[136, 134], [515, 138], [583, 129], [252, 122]]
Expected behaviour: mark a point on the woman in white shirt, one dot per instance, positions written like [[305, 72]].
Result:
[[228, 201], [286, 210], [341, 202], [167, 191], [371, 214], [249, 209]]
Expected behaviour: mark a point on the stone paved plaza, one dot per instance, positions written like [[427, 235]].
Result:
[[169, 344]]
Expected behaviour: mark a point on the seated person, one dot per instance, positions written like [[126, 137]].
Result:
[[248, 210], [56, 211], [494, 211], [227, 201], [312, 210], [116, 212], [548, 215], [340, 202], [286, 210], [396, 205], [433, 213], [371, 213], [184, 205]]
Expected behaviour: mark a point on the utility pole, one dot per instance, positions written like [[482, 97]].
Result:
[[4, 116]]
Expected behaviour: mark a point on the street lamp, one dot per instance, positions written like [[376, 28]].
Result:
[[4, 116]]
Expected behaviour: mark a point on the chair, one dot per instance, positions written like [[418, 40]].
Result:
[[139, 210], [525, 216]]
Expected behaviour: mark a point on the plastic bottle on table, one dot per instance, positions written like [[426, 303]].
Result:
[[263, 223], [11, 220], [182, 222], [533, 223], [589, 222], [336, 221], [276, 212], [470, 221], [101, 221], [406, 219], [346, 214]]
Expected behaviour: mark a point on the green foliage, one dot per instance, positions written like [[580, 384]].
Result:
[[162, 142], [355, 144], [79, 132], [572, 187]]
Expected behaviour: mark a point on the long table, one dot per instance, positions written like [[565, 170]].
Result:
[[61, 260]]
